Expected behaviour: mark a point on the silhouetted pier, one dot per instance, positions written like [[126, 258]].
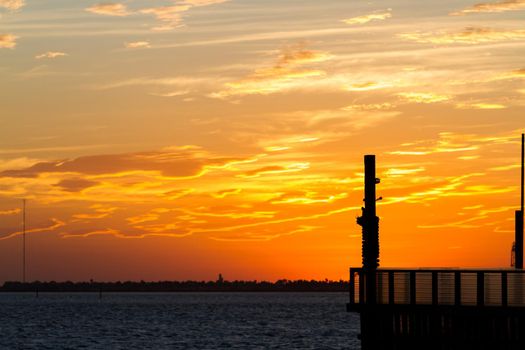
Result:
[[435, 309], [440, 308]]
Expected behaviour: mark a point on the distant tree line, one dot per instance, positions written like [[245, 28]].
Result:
[[180, 286]]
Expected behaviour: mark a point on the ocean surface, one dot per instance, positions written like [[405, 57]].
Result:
[[177, 321]]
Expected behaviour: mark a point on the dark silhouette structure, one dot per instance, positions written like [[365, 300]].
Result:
[[518, 260], [370, 224], [435, 309]]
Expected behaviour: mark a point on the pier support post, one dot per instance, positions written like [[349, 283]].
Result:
[[457, 288], [480, 289], [370, 224], [435, 288], [518, 259]]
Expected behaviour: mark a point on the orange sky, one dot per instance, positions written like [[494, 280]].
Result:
[[183, 139]]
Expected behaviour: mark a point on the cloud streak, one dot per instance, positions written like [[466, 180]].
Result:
[[480, 105], [138, 45], [55, 224], [109, 9], [7, 41], [10, 212], [376, 16], [12, 4], [169, 163], [51, 55], [470, 35], [287, 73], [423, 97], [499, 6], [171, 17]]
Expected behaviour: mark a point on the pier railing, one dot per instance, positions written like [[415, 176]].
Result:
[[452, 287]]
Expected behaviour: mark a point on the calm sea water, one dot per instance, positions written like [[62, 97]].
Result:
[[177, 321]]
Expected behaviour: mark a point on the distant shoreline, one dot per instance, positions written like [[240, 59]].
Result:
[[177, 286]]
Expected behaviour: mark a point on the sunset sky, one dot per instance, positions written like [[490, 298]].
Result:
[[161, 139]]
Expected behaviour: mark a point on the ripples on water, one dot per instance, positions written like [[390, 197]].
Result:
[[177, 321]]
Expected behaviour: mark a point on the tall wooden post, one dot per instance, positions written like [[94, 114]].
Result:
[[370, 224]]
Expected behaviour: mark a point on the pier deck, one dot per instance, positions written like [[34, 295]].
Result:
[[440, 308]]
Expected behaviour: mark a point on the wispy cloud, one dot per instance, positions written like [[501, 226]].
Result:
[[226, 193], [287, 73], [98, 212], [370, 107], [480, 105], [75, 184], [12, 4], [170, 163], [305, 198], [7, 41], [345, 118], [55, 224], [10, 212], [449, 142], [515, 74], [175, 93], [152, 215], [470, 35], [118, 234], [167, 86], [464, 224], [265, 36], [51, 54], [423, 97], [399, 172], [369, 85], [506, 167], [277, 169], [13, 151], [376, 16], [138, 45], [109, 9], [499, 6], [171, 16], [197, 3]]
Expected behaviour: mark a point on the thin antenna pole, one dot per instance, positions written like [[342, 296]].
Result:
[[518, 248], [522, 169], [521, 213], [24, 241]]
